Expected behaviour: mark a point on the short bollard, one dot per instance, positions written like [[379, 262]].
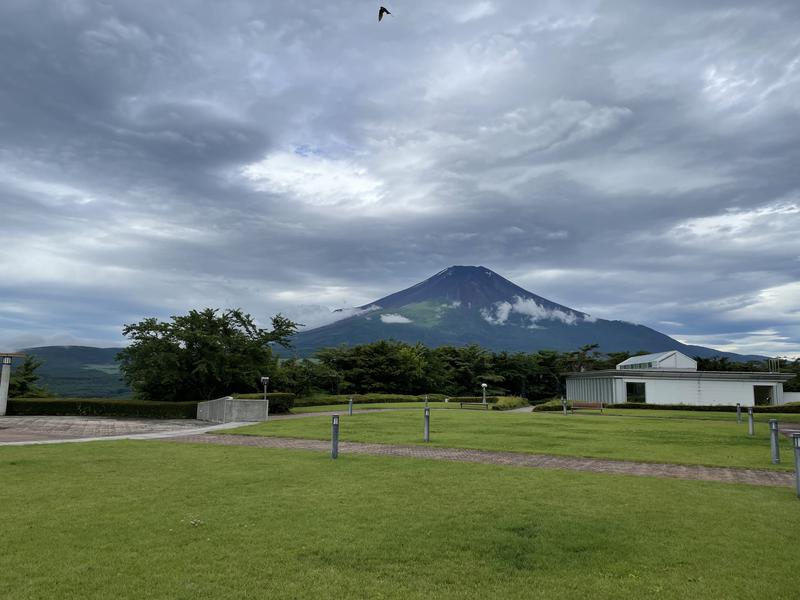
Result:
[[564, 406], [739, 413], [335, 436], [796, 444], [426, 400], [427, 433], [350, 408], [751, 427], [773, 441]]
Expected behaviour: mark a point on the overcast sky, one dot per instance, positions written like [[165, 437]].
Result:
[[633, 160]]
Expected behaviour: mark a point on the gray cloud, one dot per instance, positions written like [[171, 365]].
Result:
[[630, 160]]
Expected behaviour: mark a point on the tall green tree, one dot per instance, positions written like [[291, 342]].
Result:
[[24, 380], [202, 355]]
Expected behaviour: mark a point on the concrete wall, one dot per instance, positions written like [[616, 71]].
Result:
[[697, 392], [229, 410], [790, 397]]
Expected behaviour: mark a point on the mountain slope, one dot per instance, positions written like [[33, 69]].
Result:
[[465, 305], [80, 371]]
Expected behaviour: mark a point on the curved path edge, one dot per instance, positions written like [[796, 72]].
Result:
[[541, 461]]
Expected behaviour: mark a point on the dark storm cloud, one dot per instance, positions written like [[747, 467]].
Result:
[[634, 160]]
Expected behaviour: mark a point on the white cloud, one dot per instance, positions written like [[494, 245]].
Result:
[[395, 319], [316, 180], [499, 312]]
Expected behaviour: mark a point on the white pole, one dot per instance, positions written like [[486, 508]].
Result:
[[483, 386], [5, 379]]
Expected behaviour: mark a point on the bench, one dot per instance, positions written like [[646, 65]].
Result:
[[589, 405], [471, 404]]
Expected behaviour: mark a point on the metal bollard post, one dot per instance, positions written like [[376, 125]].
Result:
[[426, 400], [739, 413], [564, 406], [350, 408], [796, 440], [335, 436], [427, 425], [751, 428], [773, 441]]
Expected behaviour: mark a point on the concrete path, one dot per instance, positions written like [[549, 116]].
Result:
[[699, 473], [22, 431]]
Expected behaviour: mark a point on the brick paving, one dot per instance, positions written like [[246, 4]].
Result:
[[28, 429], [594, 465]]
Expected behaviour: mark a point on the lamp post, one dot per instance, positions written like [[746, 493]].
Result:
[[5, 379], [773, 441], [265, 383], [796, 444], [483, 388]]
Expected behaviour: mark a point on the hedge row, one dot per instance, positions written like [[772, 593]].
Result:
[[792, 407], [279, 402], [489, 399], [102, 407], [509, 403], [366, 399]]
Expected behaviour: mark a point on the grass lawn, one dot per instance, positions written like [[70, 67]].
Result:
[[671, 440], [155, 520], [707, 415]]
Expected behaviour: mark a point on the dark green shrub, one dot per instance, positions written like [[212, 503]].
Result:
[[491, 399], [102, 407], [509, 403], [550, 405], [279, 402], [365, 399]]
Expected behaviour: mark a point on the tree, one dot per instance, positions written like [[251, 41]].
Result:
[[24, 378], [203, 355]]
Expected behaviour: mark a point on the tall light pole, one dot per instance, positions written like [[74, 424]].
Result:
[[265, 383], [483, 388]]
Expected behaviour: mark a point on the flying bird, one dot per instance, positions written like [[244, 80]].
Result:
[[382, 11]]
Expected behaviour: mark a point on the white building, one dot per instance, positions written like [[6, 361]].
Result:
[[673, 378]]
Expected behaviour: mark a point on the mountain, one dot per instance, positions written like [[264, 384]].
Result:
[[80, 371], [474, 305]]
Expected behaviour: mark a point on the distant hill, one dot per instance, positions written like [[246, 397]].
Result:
[[80, 371], [474, 305]]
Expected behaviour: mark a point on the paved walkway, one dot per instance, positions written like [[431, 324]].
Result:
[[726, 475], [17, 431]]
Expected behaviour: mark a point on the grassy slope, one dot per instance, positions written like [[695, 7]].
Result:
[[154, 520], [680, 440]]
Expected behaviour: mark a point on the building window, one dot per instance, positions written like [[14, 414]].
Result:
[[635, 392]]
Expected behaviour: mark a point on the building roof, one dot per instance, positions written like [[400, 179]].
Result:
[[676, 374], [656, 357]]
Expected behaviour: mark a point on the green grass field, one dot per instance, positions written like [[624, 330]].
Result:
[[659, 439], [156, 520]]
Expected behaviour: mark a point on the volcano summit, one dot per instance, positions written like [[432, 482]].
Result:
[[474, 305]]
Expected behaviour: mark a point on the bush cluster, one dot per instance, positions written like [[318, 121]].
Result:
[[279, 402], [550, 405], [102, 407], [509, 403]]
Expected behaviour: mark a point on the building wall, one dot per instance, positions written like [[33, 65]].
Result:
[[611, 390], [790, 397], [591, 389], [698, 392]]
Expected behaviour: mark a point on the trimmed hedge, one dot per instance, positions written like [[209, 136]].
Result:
[[489, 399], [102, 407], [550, 405], [366, 399], [279, 402], [509, 403], [792, 407]]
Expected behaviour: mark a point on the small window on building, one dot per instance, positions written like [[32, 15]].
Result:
[[635, 392]]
